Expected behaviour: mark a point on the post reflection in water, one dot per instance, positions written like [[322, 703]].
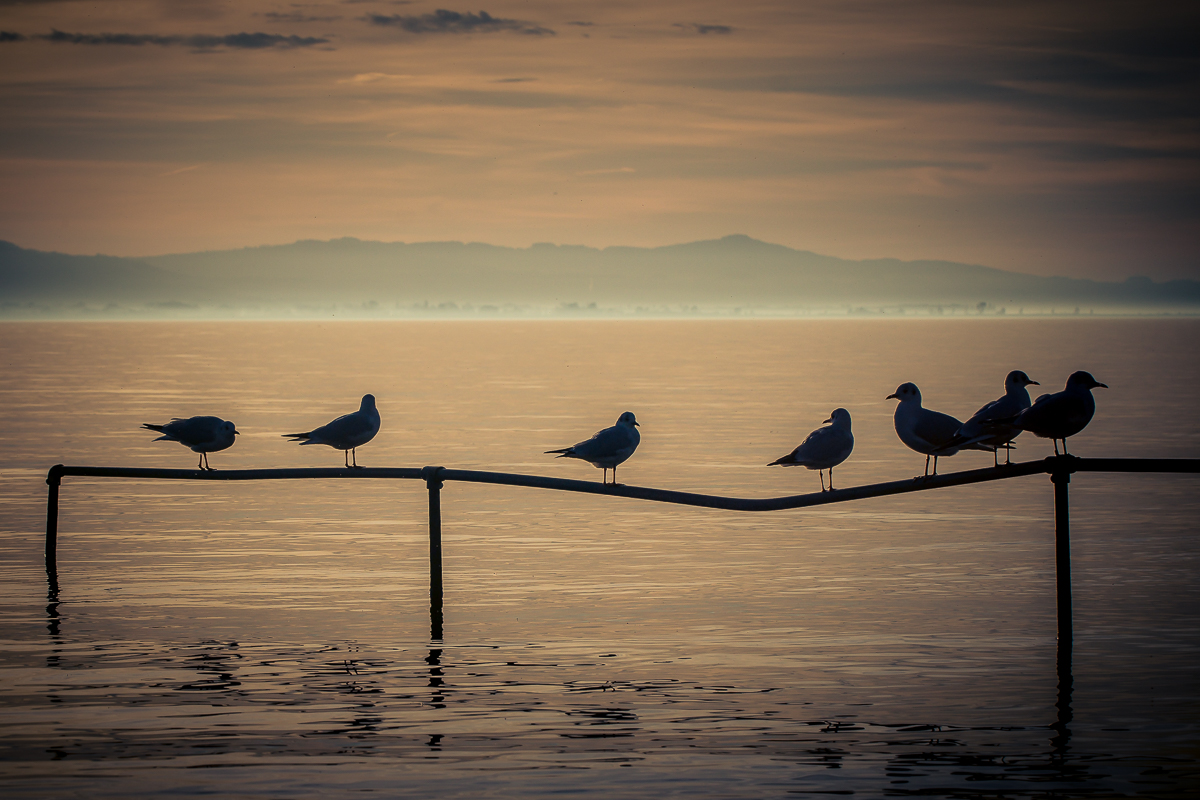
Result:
[[1066, 684], [436, 679]]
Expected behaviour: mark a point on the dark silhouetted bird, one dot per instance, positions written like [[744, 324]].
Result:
[[201, 435], [346, 433], [608, 448], [824, 448]]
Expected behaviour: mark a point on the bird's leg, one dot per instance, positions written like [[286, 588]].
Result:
[[354, 457], [831, 479], [996, 457], [935, 465], [346, 458], [1056, 446], [614, 483], [821, 473], [927, 467], [1065, 453], [200, 463]]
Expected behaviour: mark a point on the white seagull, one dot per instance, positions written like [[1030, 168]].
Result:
[[346, 433], [982, 427], [201, 435], [927, 432], [824, 448], [1062, 414], [608, 448]]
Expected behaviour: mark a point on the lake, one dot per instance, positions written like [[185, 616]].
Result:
[[273, 638]]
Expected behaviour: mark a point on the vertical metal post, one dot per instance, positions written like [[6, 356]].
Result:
[[433, 482], [53, 480], [1062, 551]]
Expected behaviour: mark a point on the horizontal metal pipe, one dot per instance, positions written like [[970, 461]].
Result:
[[409, 473], [1136, 464], [1052, 465]]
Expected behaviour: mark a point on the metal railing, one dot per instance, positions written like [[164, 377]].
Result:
[[1059, 468]]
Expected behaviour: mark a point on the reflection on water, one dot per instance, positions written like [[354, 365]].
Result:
[[270, 640]]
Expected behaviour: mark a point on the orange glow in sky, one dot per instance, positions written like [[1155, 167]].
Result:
[[1043, 137]]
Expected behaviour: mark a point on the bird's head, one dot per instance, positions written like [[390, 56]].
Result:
[[840, 416], [627, 419], [1084, 380], [906, 391], [1018, 379]]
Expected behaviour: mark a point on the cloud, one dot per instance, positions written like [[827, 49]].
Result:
[[614, 171], [443, 21], [11, 36], [704, 30], [235, 41], [180, 170], [373, 77], [296, 16]]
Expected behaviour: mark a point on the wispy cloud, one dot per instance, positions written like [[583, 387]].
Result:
[[703, 30], [180, 170], [296, 16], [11, 36], [443, 21], [373, 77], [613, 171], [233, 41]]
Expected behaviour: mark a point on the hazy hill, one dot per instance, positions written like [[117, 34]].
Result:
[[34, 276], [735, 271]]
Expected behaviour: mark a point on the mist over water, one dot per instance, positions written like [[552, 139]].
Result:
[[277, 633]]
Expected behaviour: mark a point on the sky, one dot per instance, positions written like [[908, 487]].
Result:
[[1053, 138]]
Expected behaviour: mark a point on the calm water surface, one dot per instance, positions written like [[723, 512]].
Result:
[[273, 639]]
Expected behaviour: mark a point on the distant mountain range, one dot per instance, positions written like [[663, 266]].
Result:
[[349, 277]]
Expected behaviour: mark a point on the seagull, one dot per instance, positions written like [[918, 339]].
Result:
[[1062, 414], [201, 435], [346, 433], [824, 448], [608, 448], [928, 432], [982, 428]]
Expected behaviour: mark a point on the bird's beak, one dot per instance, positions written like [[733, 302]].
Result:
[[1034, 383], [891, 397], [636, 425], [1101, 386], [826, 422], [237, 433]]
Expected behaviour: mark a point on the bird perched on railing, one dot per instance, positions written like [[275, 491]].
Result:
[[928, 432], [1060, 415], [201, 435], [346, 433], [824, 448], [982, 427], [607, 448]]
